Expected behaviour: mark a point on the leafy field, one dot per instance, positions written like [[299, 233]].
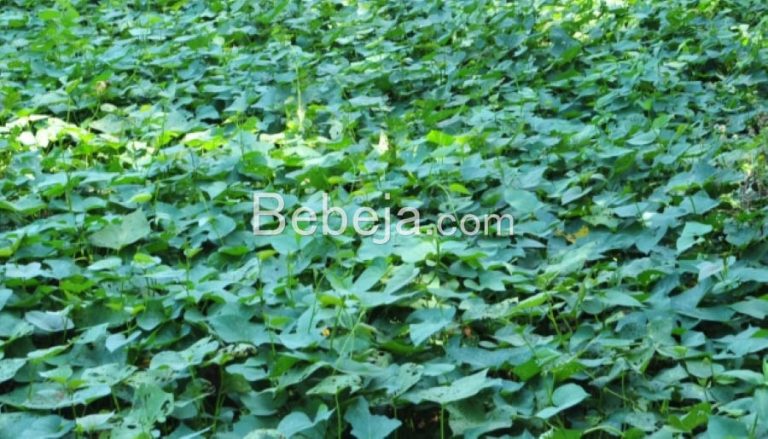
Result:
[[627, 138]]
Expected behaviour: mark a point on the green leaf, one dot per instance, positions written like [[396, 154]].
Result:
[[565, 396], [430, 322], [49, 321], [30, 425], [459, 189], [234, 328], [521, 201], [95, 422], [696, 416], [28, 271], [721, 427], [368, 426], [440, 138], [642, 138], [131, 228], [332, 385], [9, 367], [564, 47], [110, 263], [298, 421], [691, 234], [459, 389]]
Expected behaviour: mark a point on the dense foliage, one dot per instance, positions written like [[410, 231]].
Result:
[[627, 138]]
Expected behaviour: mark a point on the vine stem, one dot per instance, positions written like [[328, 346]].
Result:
[[338, 416], [442, 421]]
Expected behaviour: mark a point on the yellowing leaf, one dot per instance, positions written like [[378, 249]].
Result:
[[383, 145]]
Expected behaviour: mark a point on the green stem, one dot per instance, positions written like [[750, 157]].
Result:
[[442, 421], [338, 416]]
